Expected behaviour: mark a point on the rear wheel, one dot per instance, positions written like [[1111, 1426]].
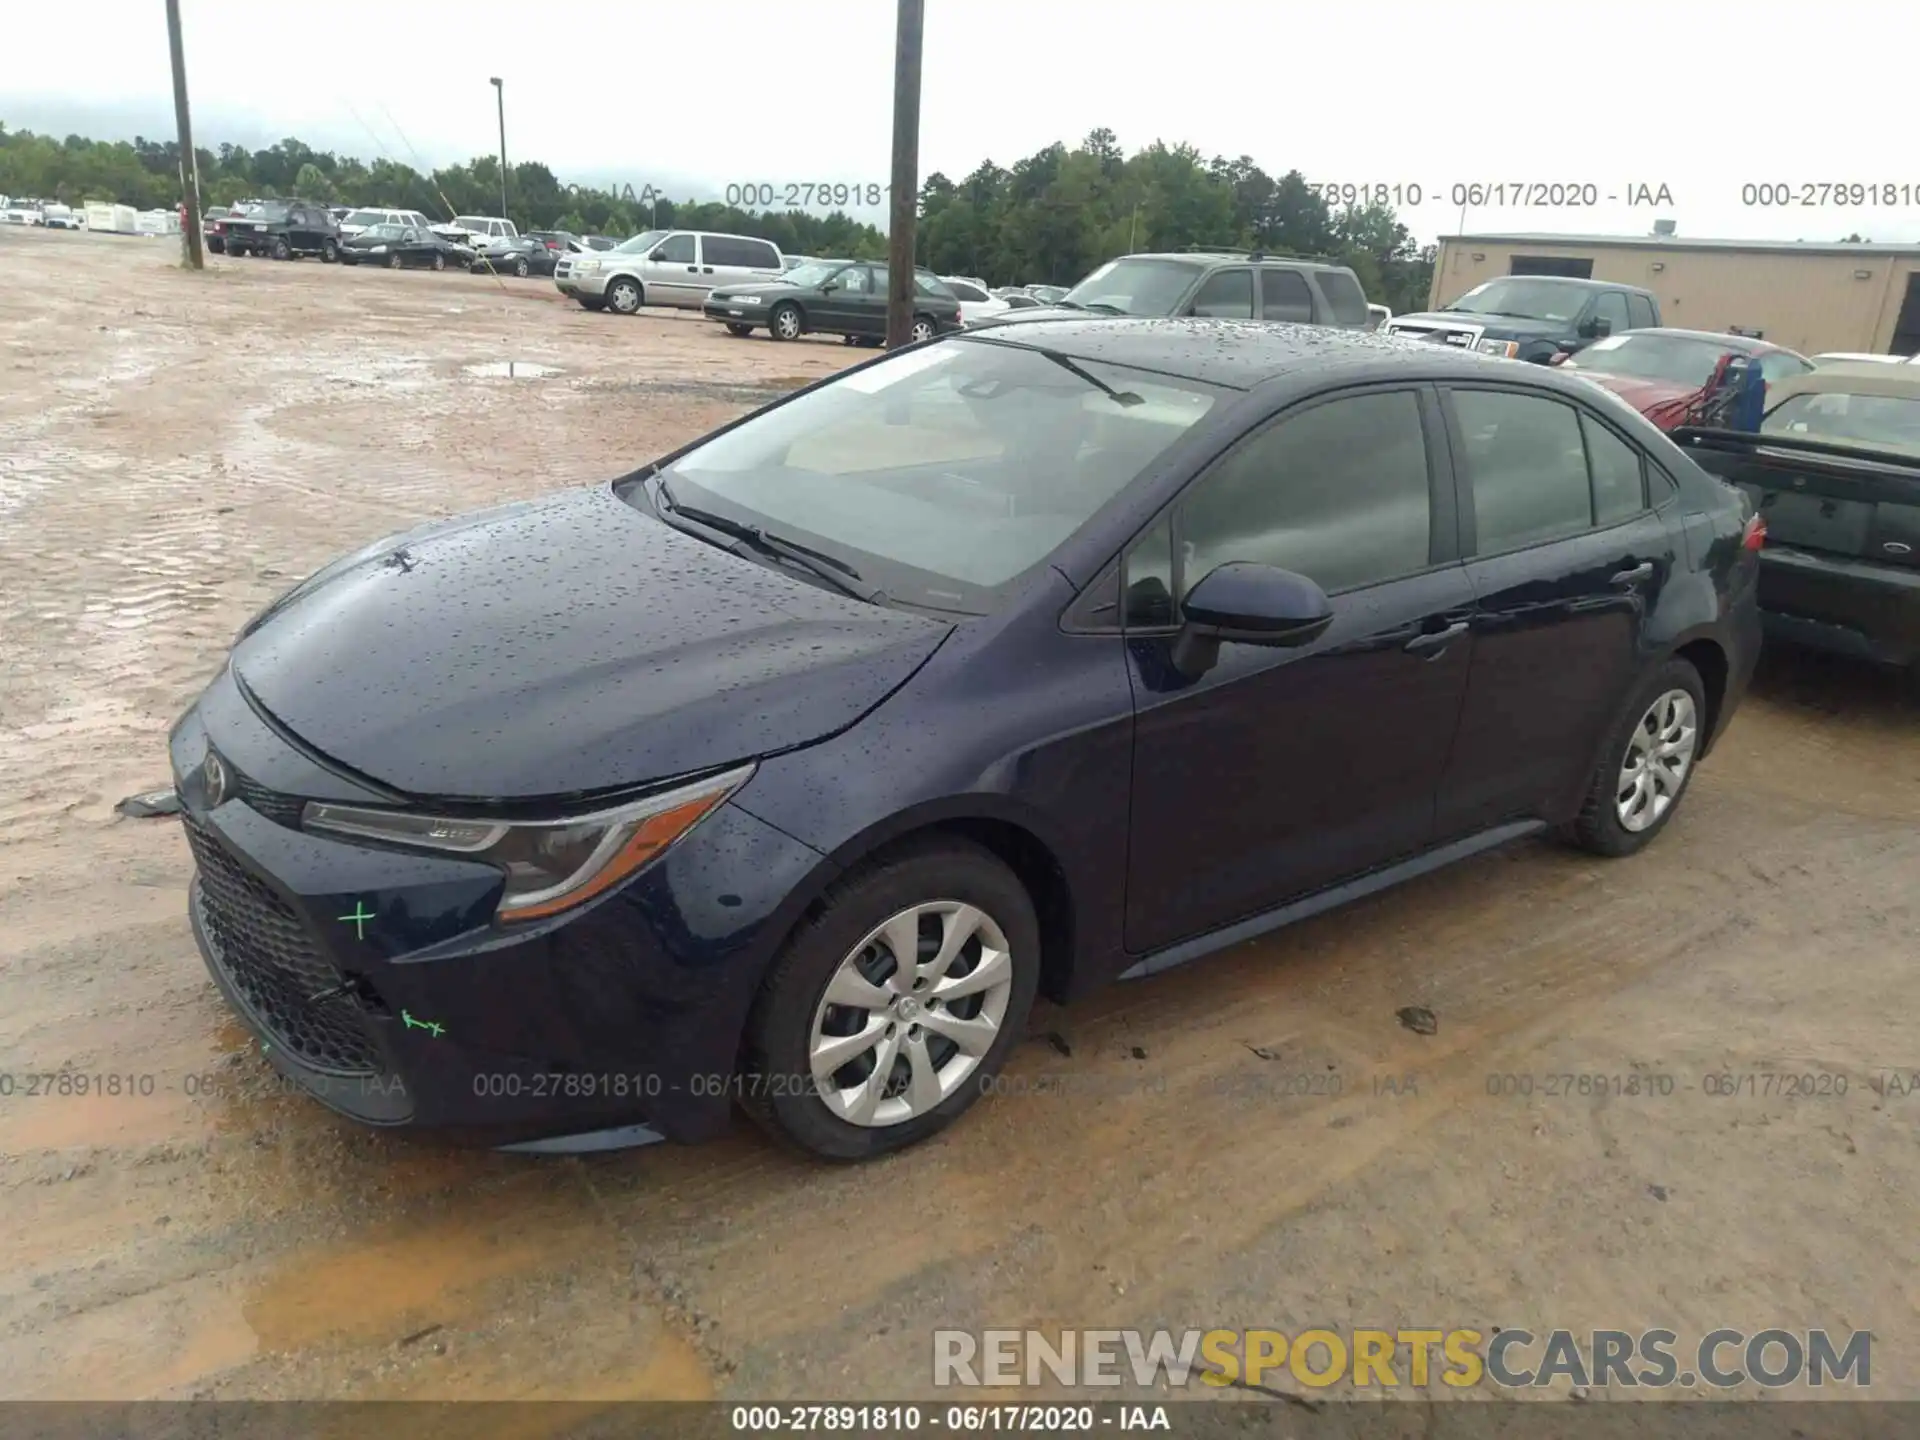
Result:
[[520, 267], [624, 296], [1647, 763], [891, 1010], [439, 261], [922, 328], [786, 322], [394, 262], [741, 330], [329, 252], [216, 245]]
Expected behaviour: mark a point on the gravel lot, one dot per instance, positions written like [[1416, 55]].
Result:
[[176, 449]]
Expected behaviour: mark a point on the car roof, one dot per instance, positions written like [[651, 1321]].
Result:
[[1895, 382], [1579, 280], [1241, 354], [1739, 344], [1227, 257]]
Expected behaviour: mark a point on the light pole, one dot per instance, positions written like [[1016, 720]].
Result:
[[500, 94]]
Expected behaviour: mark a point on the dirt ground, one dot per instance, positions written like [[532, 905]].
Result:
[[175, 450]]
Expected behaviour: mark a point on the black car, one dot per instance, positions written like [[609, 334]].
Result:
[[1835, 473], [790, 767], [404, 246], [524, 255], [833, 297], [1220, 285], [282, 229], [1533, 317]]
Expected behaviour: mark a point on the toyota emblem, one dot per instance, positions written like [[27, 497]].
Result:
[[213, 779]]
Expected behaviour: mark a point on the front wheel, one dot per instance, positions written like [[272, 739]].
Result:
[[892, 1009], [624, 296], [439, 261], [1647, 763], [216, 245], [786, 322], [282, 250], [521, 268], [394, 262], [329, 252]]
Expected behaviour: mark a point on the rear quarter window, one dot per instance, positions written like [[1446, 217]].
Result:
[[1344, 295]]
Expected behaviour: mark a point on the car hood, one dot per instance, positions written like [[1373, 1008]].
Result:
[[1496, 327], [1636, 392], [764, 288], [1051, 312], [566, 645]]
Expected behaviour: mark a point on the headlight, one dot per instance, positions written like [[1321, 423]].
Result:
[[1506, 349], [551, 865], [586, 267], [745, 300]]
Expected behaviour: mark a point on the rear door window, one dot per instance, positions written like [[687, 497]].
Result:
[[1284, 296], [1528, 463]]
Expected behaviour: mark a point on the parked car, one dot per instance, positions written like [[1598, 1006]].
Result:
[[1533, 317], [1048, 294], [23, 212], [366, 218], [804, 757], [475, 231], [284, 230], [1650, 369], [56, 216], [666, 267], [976, 303], [1835, 470], [847, 298], [524, 256], [1853, 357], [401, 247], [1234, 285]]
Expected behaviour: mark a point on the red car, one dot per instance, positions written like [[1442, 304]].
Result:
[[1649, 369]]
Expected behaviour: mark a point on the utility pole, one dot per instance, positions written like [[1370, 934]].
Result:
[[500, 94], [189, 163], [906, 172]]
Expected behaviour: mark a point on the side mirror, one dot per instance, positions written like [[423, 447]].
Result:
[[1252, 605], [659, 254], [827, 285], [1597, 329]]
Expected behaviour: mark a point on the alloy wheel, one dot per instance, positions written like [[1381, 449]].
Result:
[[922, 330], [910, 1013], [1659, 753], [624, 296], [786, 323]]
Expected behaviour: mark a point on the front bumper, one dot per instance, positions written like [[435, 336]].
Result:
[[732, 314], [1846, 606], [377, 980], [574, 283]]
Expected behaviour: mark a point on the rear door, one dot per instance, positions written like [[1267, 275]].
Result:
[[727, 260], [1285, 295], [1567, 559]]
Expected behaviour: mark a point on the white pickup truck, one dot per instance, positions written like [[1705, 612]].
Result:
[[479, 231]]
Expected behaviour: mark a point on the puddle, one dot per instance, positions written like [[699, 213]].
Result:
[[511, 370]]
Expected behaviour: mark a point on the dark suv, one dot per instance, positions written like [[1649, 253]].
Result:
[[1214, 284], [284, 229]]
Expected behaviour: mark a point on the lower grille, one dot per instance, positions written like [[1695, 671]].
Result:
[[264, 952]]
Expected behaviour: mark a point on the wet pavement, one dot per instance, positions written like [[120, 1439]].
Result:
[[1254, 1141]]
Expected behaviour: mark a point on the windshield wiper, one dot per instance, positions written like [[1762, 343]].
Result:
[[1068, 363], [834, 571], [1102, 306]]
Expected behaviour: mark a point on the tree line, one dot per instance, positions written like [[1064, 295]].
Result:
[[1050, 218]]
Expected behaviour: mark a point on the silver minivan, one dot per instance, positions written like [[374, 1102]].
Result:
[[665, 267]]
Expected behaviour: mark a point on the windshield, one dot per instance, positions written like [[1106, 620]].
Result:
[[1526, 299], [364, 217], [944, 473], [645, 240], [1134, 287], [813, 272], [1878, 422], [384, 232], [274, 210], [1674, 358]]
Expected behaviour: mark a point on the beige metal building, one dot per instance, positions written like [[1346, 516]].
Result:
[[1807, 297]]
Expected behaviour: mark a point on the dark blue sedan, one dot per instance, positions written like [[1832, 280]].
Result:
[[788, 770]]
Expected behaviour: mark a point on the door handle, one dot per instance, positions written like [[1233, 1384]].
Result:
[[706, 269], [1434, 643], [1627, 579], [693, 269]]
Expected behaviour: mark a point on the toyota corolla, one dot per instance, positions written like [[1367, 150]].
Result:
[[786, 770]]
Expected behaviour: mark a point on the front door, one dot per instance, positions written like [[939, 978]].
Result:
[[1281, 771], [1566, 560], [844, 308], [671, 274]]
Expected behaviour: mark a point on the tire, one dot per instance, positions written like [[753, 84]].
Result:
[[922, 329], [786, 322], [590, 302], [845, 931], [394, 262], [439, 261], [281, 249], [215, 245], [1618, 818], [329, 252], [870, 342], [849, 339], [741, 330], [521, 267], [624, 296]]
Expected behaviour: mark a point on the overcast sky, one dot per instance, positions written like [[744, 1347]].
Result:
[[1695, 97]]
